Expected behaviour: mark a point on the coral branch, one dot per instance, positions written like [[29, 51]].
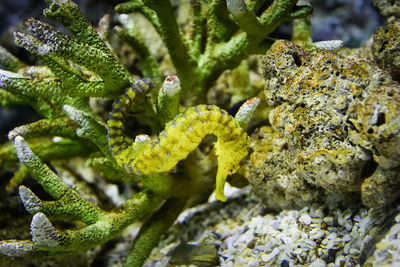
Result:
[[89, 128], [10, 62], [68, 14], [52, 183], [17, 248], [69, 205], [41, 92], [18, 178], [197, 36], [152, 230], [245, 18], [246, 111], [168, 30], [281, 11], [9, 99], [47, 127], [146, 60], [49, 43], [219, 26], [47, 239], [168, 99], [48, 150], [18, 84]]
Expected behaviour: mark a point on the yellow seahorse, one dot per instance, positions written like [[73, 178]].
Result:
[[180, 136]]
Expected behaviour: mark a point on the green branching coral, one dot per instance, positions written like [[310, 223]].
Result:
[[169, 170], [68, 205], [215, 42]]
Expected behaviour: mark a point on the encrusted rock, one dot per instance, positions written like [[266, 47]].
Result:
[[363, 52], [378, 125], [388, 7], [312, 93], [271, 175], [385, 47], [381, 187], [339, 118]]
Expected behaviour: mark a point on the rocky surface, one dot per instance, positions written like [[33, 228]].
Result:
[[339, 119], [388, 7], [385, 47], [271, 157]]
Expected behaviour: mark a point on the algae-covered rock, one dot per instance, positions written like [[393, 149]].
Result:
[[270, 172], [378, 125], [312, 93], [388, 7], [381, 187], [325, 108], [364, 51], [385, 47]]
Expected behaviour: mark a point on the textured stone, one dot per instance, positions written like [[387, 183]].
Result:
[[378, 125], [382, 187], [388, 7], [385, 47], [337, 120], [269, 172]]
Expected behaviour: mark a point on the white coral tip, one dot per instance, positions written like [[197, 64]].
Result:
[[246, 111], [236, 7], [42, 231], [171, 85], [29, 199], [24, 153], [16, 248]]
